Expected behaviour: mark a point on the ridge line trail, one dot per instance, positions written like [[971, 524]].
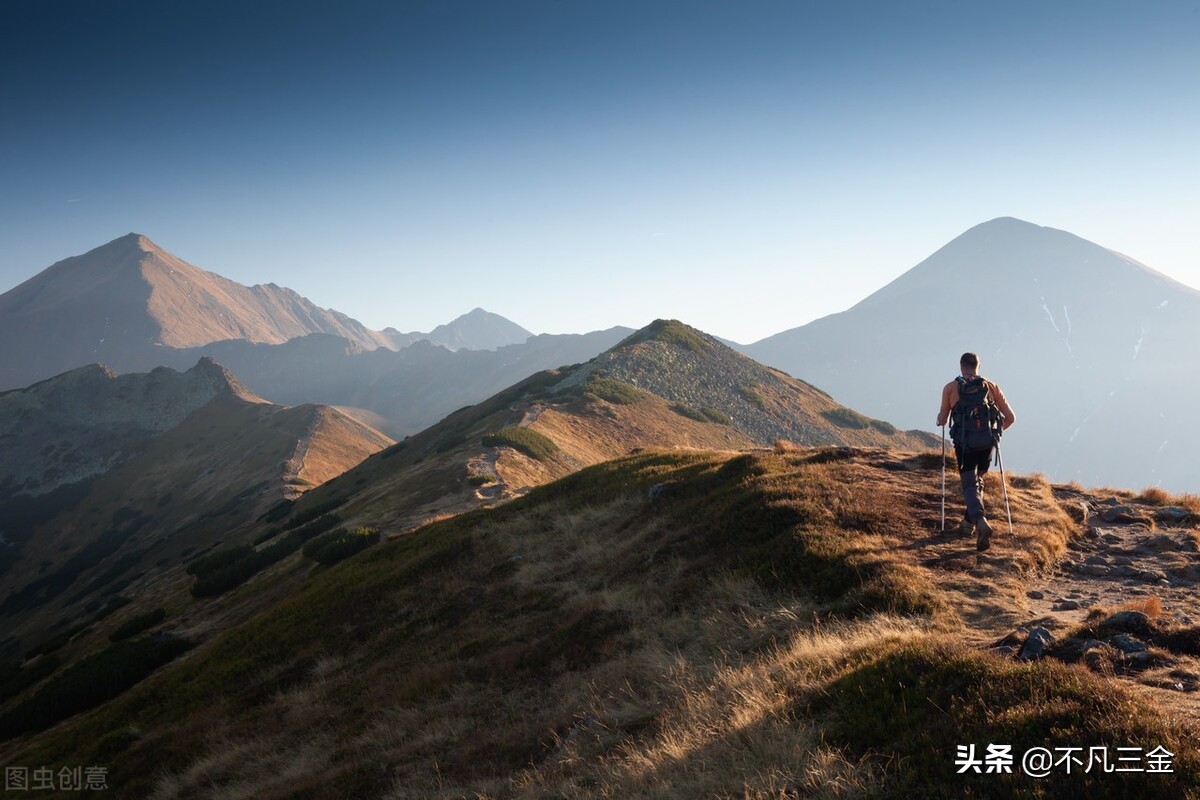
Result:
[[1122, 553]]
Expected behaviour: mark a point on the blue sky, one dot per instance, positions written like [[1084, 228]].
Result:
[[743, 166]]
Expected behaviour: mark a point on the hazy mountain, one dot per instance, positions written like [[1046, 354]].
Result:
[[1089, 345], [477, 330], [410, 388], [110, 477], [134, 306], [118, 302]]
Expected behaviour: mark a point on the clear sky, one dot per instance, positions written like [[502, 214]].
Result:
[[575, 164]]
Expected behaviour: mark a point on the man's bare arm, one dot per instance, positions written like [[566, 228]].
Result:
[[947, 401], [1005, 408]]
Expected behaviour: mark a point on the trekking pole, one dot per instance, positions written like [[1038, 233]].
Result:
[[943, 478], [1004, 484]]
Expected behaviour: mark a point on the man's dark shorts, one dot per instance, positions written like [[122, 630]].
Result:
[[978, 460]]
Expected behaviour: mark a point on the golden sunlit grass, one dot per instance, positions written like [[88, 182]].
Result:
[[1153, 496], [1150, 606]]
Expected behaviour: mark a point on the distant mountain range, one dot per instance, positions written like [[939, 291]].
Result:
[[132, 306], [399, 391], [125, 303], [1076, 334], [1089, 346]]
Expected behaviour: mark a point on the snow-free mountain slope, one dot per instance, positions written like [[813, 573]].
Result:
[[1092, 349], [116, 303]]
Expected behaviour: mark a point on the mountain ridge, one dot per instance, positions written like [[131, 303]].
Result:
[[67, 428], [129, 301]]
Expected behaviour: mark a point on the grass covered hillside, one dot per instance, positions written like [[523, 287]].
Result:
[[667, 385], [707, 380], [666, 624]]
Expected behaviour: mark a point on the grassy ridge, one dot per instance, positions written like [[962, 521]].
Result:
[[754, 626]]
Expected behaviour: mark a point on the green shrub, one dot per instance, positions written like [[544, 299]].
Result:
[[46, 588], [135, 625], [480, 479], [673, 332], [219, 559], [113, 604], [750, 393], [209, 584], [689, 412], [315, 511], [527, 441], [278, 511], [847, 418], [706, 414], [883, 427], [622, 394], [340, 544], [219, 575], [90, 682], [56, 641]]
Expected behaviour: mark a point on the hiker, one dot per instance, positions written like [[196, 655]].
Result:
[[978, 413]]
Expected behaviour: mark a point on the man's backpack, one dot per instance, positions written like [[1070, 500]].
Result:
[[975, 421]]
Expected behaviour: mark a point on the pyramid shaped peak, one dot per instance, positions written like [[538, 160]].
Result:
[[127, 243]]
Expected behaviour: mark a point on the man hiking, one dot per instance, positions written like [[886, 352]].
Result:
[[978, 413]]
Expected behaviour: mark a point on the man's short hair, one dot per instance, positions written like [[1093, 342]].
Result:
[[969, 360]]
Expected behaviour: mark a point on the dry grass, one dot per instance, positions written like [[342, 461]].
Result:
[[1150, 606], [1154, 496], [588, 641], [783, 447]]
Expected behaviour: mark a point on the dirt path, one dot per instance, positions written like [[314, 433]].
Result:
[[1128, 552], [531, 415], [1123, 555], [485, 464]]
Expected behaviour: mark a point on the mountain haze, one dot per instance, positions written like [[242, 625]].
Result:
[[1088, 344], [476, 330], [116, 302], [130, 304], [408, 389]]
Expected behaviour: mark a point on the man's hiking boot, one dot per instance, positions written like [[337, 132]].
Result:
[[965, 528], [983, 540]]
